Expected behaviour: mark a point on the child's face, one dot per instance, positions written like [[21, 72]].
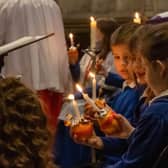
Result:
[[155, 75], [121, 54], [138, 68]]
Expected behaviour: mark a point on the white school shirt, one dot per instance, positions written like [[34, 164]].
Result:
[[163, 93], [43, 65]]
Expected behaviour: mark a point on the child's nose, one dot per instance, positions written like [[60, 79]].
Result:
[[124, 62]]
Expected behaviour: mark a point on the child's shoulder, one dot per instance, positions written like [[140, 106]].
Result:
[[134, 90], [158, 107], [160, 102]]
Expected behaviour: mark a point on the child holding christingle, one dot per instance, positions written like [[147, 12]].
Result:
[[148, 139], [123, 102], [104, 29], [126, 101]]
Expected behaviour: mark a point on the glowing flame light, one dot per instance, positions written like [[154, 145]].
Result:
[[71, 97], [79, 88], [71, 39], [137, 18], [70, 35], [91, 74], [92, 19], [137, 15]]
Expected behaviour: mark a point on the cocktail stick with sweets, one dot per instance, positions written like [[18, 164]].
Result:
[[106, 117], [82, 129]]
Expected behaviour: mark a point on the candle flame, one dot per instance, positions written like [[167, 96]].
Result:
[[137, 15], [71, 97], [91, 74], [137, 18], [79, 88], [70, 35], [92, 18]]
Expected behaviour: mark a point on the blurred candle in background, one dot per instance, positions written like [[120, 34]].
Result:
[[137, 18], [71, 36], [75, 106], [92, 32]]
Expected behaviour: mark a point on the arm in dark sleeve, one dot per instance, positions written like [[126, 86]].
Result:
[[114, 79], [146, 143], [75, 71], [114, 145]]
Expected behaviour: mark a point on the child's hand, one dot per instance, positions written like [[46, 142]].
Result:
[[125, 127], [99, 67], [94, 142], [73, 55], [90, 113]]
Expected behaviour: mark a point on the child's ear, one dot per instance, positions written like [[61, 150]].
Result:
[[162, 67]]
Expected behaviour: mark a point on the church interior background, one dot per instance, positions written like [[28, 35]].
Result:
[[76, 13]]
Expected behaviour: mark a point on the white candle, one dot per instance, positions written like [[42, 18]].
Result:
[[87, 98], [92, 32], [75, 106], [137, 18], [71, 39], [93, 85], [90, 101]]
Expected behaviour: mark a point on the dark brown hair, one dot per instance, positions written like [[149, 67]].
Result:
[[153, 43], [106, 26], [24, 138], [123, 34], [134, 46]]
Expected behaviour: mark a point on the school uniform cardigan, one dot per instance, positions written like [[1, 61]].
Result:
[[115, 147], [149, 138], [125, 103]]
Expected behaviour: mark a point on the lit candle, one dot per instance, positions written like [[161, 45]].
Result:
[[92, 32], [137, 18], [87, 98], [91, 102], [75, 106], [92, 75], [71, 39]]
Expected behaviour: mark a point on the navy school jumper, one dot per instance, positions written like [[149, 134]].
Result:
[[148, 139], [115, 147]]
